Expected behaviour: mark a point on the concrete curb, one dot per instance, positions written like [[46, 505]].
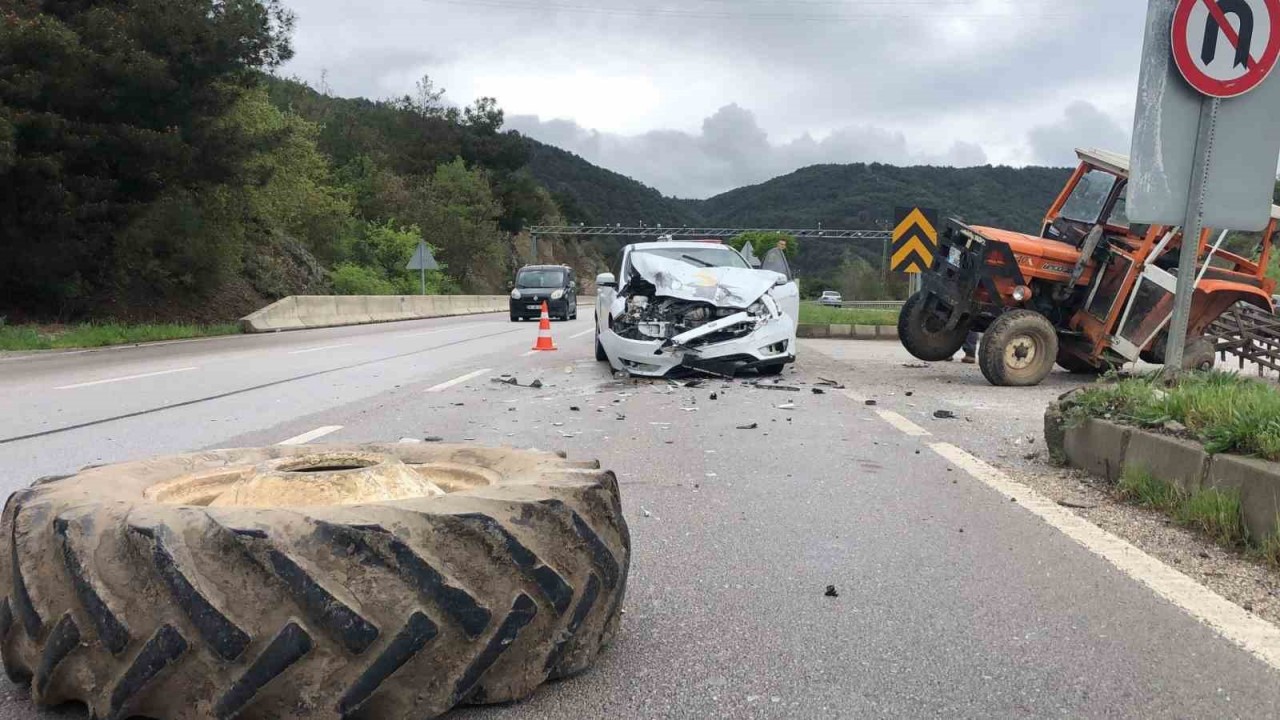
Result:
[[300, 312], [848, 332], [1105, 449]]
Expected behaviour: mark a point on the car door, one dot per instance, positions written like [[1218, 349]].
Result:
[[605, 297]]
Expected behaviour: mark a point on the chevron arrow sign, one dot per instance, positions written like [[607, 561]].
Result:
[[915, 239]]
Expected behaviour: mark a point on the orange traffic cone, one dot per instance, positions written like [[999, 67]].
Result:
[[544, 331]]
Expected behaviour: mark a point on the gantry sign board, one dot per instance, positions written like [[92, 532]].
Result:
[[1210, 57], [915, 239]]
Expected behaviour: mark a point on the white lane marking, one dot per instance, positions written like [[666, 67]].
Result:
[[902, 424], [126, 377], [318, 349], [448, 329], [1250, 632], [459, 380], [307, 437], [581, 334]]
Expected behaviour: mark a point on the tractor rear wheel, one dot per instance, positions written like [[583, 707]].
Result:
[[924, 335], [379, 581], [1018, 350]]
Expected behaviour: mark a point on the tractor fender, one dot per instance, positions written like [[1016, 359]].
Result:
[[1214, 297]]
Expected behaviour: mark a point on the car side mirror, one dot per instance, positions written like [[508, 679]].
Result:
[[604, 280]]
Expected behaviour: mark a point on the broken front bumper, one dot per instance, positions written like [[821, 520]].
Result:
[[772, 343]]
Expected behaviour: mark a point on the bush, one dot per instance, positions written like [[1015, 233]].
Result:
[[1226, 412], [352, 279]]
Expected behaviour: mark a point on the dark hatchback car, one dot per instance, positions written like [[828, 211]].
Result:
[[554, 284]]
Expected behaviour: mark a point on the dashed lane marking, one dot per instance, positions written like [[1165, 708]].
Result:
[[898, 421], [318, 349], [459, 380], [582, 334], [307, 437], [901, 423], [125, 378], [1250, 632]]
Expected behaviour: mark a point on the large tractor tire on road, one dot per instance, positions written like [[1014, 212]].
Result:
[[1018, 350], [373, 581], [925, 336]]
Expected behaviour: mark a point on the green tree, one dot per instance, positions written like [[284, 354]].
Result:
[[106, 110], [458, 213], [289, 185], [763, 242]]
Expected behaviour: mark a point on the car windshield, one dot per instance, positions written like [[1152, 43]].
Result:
[[540, 278], [1089, 197], [711, 256]]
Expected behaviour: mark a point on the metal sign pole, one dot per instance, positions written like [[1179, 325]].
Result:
[[1192, 229]]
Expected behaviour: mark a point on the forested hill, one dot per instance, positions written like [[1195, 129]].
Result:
[[864, 196], [162, 171], [593, 195], [852, 196]]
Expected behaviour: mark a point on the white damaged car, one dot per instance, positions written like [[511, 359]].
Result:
[[695, 305]]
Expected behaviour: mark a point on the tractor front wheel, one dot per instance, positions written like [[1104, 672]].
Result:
[[925, 335], [1019, 349]]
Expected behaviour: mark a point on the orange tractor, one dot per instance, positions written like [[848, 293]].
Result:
[[1093, 291]]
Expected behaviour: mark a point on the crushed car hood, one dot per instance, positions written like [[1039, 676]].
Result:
[[721, 286]]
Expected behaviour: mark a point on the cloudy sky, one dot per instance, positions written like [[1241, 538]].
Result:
[[695, 97]]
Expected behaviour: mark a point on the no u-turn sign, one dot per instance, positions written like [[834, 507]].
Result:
[[1225, 48]]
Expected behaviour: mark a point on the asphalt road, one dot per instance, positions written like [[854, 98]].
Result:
[[953, 600]]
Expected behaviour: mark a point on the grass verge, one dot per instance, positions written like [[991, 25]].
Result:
[[819, 315], [90, 335], [1226, 412], [1214, 512]]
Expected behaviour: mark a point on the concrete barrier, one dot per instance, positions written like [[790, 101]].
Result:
[[299, 312], [848, 332], [1104, 449]]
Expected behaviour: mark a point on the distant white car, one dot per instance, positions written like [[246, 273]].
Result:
[[831, 298], [697, 305]]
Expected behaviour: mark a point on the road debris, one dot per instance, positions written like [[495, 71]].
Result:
[[944, 415], [830, 383], [784, 388], [574, 408], [819, 391], [645, 512], [752, 426], [1078, 503], [715, 396], [786, 406], [831, 591], [871, 403], [433, 439]]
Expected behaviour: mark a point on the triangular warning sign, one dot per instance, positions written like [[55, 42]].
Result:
[[423, 259]]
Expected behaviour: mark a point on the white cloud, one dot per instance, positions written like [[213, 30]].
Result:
[[731, 150], [668, 86]]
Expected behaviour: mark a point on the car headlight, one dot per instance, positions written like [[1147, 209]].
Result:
[[557, 294], [515, 294]]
